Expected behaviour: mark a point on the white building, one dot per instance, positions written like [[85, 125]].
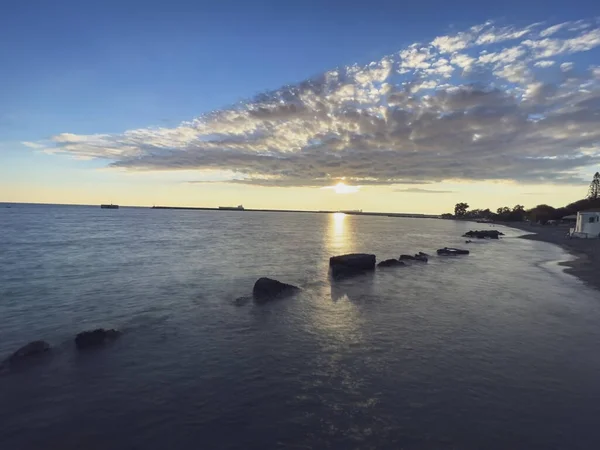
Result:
[[588, 225]]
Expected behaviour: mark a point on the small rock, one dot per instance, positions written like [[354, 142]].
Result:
[[422, 257], [447, 251], [32, 349], [391, 263], [87, 339], [266, 289]]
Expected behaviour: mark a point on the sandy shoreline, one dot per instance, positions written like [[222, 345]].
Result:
[[586, 266]]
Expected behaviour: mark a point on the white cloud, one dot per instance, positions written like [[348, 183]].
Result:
[[415, 58], [544, 64], [567, 66], [465, 108], [553, 29], [506, 56], [429, 84], [500, 35], [34, 145], [451, 44], [463, 61], [547, 48]]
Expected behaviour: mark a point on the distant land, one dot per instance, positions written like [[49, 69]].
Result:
[[234, 209], [353, 213]]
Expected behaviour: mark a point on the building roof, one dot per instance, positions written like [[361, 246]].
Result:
[[570, 217]]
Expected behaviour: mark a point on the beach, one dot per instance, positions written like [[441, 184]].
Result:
[[586, 265]]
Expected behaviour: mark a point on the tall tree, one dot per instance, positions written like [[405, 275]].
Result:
[[594, 192], [460, 210]]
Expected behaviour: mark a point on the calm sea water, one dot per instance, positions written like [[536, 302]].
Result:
[[497, 350]]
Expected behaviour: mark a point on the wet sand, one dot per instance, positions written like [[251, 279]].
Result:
[[587, 264]]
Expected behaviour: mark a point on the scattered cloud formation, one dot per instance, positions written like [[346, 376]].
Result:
[[487, 103], [422, 191]]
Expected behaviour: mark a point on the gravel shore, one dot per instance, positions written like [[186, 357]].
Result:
[[586, 266]]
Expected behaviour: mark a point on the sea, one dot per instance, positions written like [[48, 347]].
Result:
[[495, 350]]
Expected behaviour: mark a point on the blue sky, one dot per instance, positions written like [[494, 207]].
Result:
[[107, 67]]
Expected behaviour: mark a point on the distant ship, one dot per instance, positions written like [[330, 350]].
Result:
[[232, 208], [111, 206]]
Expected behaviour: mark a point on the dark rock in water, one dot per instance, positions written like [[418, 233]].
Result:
[[87, 339], [446, 251], [483, 234], [351, 264], [32, 349], [390, 263], [422, 257], [468, 242], [266, 289]]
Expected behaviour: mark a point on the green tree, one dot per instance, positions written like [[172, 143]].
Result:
[[460, 210], [594, 191], [517, 214], [542, 214]]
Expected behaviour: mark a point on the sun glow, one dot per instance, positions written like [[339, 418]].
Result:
[[342, 188]]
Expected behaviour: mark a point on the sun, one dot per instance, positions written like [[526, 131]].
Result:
[[342, 188]]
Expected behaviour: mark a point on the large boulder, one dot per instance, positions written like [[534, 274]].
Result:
[[27, 351], [483, 234], [95, 338], [266, 289], [351, 264], [390, 263]]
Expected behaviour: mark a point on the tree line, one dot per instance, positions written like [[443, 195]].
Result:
[[541, 213]]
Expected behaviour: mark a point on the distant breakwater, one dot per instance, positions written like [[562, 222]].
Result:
[[350, 213]]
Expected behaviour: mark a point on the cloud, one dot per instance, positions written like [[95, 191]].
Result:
[[34, 145], [465, 106], [547, 48], [567, 66], [422, 191], [544, 64], [553, 29]]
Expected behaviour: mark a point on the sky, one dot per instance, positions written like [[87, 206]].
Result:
[[406, 107]]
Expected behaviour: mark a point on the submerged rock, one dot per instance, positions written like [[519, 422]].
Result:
[[407, 257], [390, 263], [447, 251], [99, 336], [32, 349], [266, 289], [351, 264]]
